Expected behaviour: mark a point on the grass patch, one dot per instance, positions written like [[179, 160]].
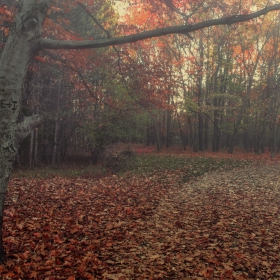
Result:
[[65, 171], [189, 167], [144, 165]]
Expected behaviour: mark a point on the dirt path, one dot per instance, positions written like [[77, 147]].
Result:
[[226, 225]]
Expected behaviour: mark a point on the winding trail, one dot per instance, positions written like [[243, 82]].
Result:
[[225, 225]]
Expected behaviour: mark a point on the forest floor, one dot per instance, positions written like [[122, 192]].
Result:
[[166, 223]]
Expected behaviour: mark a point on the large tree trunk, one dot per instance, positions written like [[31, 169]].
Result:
[[19, 50]]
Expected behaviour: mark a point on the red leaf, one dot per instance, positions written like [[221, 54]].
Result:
[[39, 58]]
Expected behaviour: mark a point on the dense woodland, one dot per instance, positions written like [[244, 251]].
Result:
[[91, 79], [215, 89]]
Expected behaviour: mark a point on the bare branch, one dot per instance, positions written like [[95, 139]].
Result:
[[94, 19], [180, 29], [115, 49], [98, 99], [172, 7]]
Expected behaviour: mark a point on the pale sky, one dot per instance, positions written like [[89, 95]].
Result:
[[120, 7]]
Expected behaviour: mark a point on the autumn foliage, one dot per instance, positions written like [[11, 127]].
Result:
[[192, 213]]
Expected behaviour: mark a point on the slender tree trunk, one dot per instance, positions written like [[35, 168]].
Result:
[[55, 144], [246, 141], [259, 140], [234, 134], [206, 133], [192, 136], [275, 131], [216, 132], [200, 98], [157, 135], [36, 147], [168, 129], [181, 132], [232, 143], [56, 127], [64, 146], [164, 129], [200, 131], [31, 149], [216, 103]]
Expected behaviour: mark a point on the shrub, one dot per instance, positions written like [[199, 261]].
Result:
[[118, 158]]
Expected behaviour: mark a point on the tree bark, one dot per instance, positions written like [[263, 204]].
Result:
[[19, 51]]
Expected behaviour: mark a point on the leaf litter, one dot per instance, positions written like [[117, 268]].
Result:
[[224, 225]]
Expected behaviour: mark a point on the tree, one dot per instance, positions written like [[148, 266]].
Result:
[[25, 41]]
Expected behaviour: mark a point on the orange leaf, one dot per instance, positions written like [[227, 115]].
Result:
[[33, 274], [39, 58]]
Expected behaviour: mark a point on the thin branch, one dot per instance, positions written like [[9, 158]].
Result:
[[94, 19], [115, 49], [172, 7], [98, 99]]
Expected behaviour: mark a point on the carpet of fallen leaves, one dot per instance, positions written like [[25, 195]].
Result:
[[224, 225]]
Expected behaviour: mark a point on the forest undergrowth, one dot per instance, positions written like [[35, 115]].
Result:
[[171, 216]]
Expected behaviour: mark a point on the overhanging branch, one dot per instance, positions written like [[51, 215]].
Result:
[[180, 29]]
